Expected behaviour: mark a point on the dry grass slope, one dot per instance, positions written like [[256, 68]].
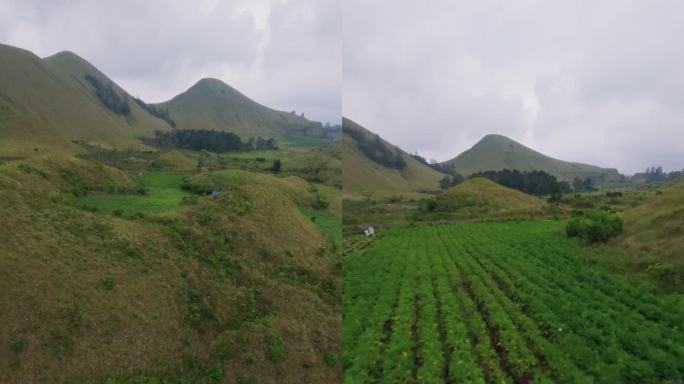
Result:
[[480, 198], [363, 176], [229, 288], [46, 103], [658, 226]]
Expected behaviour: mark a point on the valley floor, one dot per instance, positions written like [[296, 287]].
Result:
[[499, 303]]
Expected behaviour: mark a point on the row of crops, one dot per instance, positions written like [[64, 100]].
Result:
[[500, 303]]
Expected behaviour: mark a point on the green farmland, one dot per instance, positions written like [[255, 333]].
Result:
[[162, 193], [500, 303]]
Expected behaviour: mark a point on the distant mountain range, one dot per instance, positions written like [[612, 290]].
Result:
[[46, 103], [364, 173], [497, 152]]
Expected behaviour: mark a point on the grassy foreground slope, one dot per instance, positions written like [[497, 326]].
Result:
[[47, 103], [497, 152], [657, 227], [212, 104], [363, 176], [240, 287], [480, 198]]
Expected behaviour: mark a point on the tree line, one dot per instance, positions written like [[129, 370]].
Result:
[[211, 140], [376, 150], [657, 175], [533, 182], [451, 181], [109, 97], [157, 112], [583, 185], [449, 169]]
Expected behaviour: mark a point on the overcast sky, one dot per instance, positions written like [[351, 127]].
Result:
[[600, 82], [284, 54]]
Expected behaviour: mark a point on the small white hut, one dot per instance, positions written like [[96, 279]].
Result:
[[370, 231]]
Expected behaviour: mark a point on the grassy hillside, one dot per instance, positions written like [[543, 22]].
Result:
[[655, 232], [212, 104], [363, 176], [240, 287], [46, 103], [481, 198], [77, 68], [497, 152]]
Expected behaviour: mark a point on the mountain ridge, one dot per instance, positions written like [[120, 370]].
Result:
[[48, 104], [362, 175], [498, 152], [210, 103]]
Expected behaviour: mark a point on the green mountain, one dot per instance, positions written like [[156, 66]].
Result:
[[212, 104], [363, 175], [497, 152], [47, 103], [77, 68]]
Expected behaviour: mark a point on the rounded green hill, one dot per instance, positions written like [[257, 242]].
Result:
[[483, 198]]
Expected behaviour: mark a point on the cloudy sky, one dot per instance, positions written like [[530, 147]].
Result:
[[600, 82], [285, 54]]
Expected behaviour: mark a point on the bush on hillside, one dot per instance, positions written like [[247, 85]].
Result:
[[594, 226], [322, 201]]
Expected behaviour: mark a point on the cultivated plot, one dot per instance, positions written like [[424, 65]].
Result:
[[499, 303]]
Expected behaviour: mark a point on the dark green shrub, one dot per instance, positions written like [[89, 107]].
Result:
[[594, 226], [215, 373], [224, 351], [322, 201], [320, 251], [330, 359], [17, 346], [430, 205], [108, 282], [274, 346]]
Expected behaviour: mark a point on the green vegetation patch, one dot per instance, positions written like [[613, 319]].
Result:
[[328, 222], [162, 193], [594, 226], [500, 302]]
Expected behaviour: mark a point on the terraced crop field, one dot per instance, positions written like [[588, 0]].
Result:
[[500, 303]]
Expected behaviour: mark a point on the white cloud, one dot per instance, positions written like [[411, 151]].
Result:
[[593, 81]]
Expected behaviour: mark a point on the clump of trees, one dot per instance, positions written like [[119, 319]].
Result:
[[594, 225], [108, 96], [210, 140], [451, 181], [261, 144], [449, 169], [534, 182], [376, 150], [157, 112], [657, 175], [586, 185]]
